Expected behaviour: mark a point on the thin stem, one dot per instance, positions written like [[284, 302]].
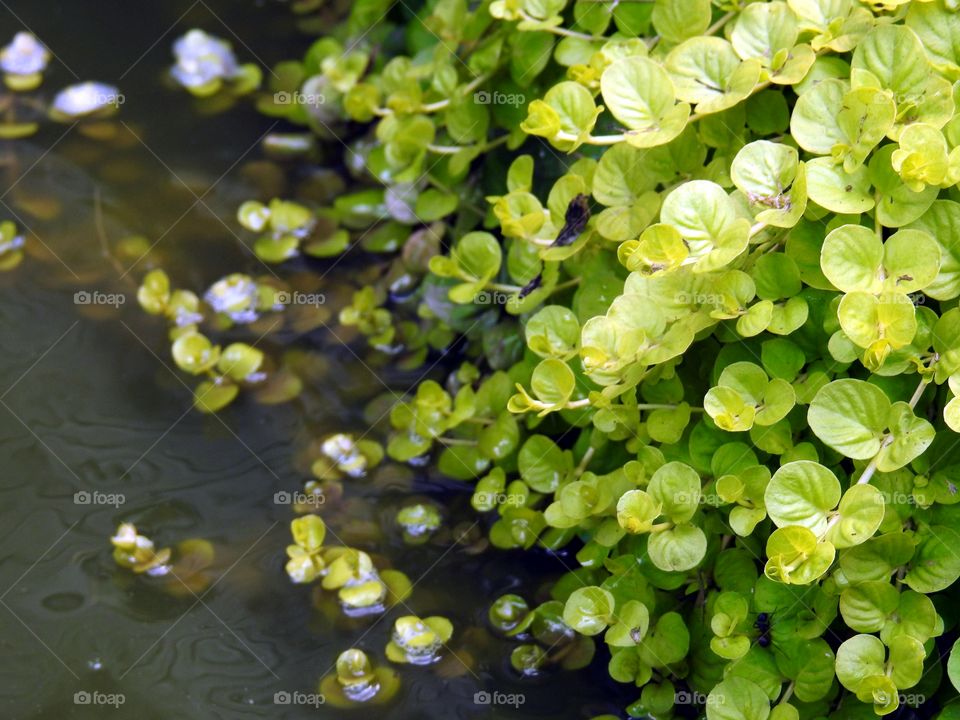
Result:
[[591, 139], [504, 288], [456, 441], [664, 406], [720, 23], [562, 31], [454, 149], [872, 466], [564, 285], [467, 89], [587, 457]]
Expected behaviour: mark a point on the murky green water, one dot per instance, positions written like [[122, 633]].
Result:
[[89, 404]]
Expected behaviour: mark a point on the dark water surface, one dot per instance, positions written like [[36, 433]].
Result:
[[88, 402]]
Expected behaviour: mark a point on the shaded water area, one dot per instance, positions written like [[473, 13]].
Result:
[[91, 404]]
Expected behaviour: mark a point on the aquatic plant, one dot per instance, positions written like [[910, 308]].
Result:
[[137, 552], [205, 65], [417, 641], [11, 246], [358, 682], [361, 588], [712, 306], [288, 228], [23, 62], [85, 100], [701, 259], [418, 522]]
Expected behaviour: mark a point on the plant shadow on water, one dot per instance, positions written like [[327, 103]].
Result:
[[95, 429]]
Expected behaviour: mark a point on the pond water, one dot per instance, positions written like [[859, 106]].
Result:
[[90, 405]]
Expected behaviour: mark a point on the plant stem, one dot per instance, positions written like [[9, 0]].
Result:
[[664, 406], [456, 441], [500, 287], [563, 31], [454, 149], [719, 23], [564, 285], [587, 457], [872, 466]]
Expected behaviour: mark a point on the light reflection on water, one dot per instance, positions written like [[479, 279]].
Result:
[[90, 405]]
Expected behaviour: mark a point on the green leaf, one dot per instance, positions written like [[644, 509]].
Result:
[[706, 218], [543, 464], [858, 658], [936, 564], [764, 29], [553, 332], [891, 57], [802, 493], [589, 610], [632, 623], [737, 698], [897, 204], [909, 436], [866, 607], [833, 188], [771, 177], [706, 71], [796, 557], [677, 20], [636, 511], [566, 107], [676, 488], [953, 666], [639, 93], [942, 222], [850, 416], [679, 548], [859, 516]]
